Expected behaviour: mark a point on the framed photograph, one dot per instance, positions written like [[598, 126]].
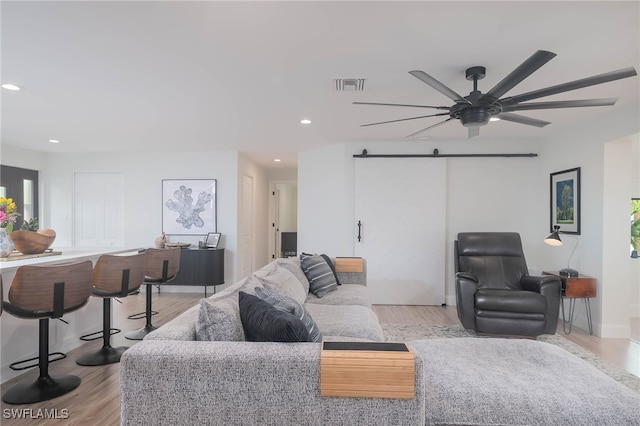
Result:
[[565, 201], [213, 238], [189, 206]]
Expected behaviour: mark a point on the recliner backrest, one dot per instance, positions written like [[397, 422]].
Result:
[[495, 258]]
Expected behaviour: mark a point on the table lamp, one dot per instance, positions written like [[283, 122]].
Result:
[[554, 240]]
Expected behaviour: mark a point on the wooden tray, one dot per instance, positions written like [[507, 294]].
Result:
[[19, 256]]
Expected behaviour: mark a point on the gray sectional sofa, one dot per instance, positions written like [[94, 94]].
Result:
[[171, 378]]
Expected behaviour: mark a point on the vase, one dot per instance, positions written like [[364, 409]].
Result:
[[6, 243]]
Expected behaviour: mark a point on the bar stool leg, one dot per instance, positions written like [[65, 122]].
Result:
[[45, 387], [148, 328], [106, 354]]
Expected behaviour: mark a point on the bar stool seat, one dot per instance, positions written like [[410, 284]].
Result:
[[161, 266], [44, 292], [113, 276]]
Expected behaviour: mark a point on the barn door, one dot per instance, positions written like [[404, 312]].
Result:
[[400, 209]]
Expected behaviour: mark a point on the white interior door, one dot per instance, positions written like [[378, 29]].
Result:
[[400, 204], [98, 210]]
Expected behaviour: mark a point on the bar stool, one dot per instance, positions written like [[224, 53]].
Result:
[[113, 276], [161, 266], [43, 292]]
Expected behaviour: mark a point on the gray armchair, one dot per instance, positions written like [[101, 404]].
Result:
[[495, 293]]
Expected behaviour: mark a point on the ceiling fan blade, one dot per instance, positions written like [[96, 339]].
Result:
[[426, 78], [404, 119], [474, 131], [428, 128], [561, 104], [402, 105], [573, 85], [522, 119], [528, 67]]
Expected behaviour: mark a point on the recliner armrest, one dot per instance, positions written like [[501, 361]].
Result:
[[466, 286], [549, 286], [467, 276], [541, 284]]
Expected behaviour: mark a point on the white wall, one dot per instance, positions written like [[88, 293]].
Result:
[[143, 174], [489, 194], [585, 147]]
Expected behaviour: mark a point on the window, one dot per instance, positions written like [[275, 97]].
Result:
[[21, 185]]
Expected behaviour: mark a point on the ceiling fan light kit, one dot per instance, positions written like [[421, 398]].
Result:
[[477, 109]]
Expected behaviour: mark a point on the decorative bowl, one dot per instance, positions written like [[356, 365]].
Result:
[[33, 242]]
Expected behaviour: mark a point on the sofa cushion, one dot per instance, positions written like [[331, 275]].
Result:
[[292, 264], [282, 281], [346, 321], [291, 306], [219, 320], [219, 315], [320, 276], [346, 294], [264, 323]]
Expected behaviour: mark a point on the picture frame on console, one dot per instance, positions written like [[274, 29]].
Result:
[[565, 201], [189, 206], [213, 239]]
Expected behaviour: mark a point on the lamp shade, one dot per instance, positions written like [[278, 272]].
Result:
[[554, 238]]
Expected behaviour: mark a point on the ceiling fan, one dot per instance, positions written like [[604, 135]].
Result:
[[477, 108]]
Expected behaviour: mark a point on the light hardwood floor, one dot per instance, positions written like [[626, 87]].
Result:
[[97, 400]]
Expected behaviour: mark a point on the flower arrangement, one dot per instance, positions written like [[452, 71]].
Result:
[[8, 214]]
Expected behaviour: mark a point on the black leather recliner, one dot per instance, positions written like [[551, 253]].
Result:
[[495, 293]]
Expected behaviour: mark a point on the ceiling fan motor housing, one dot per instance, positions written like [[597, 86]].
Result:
[[475, 116]]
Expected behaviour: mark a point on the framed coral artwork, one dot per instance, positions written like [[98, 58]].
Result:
[[189, 206]]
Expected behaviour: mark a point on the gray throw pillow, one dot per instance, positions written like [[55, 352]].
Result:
[[320, 276], [291, 306], [219, 320], [264, 323]]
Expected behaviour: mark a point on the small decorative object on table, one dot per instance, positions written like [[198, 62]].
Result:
[[161, 241], [178, 244], [8, 216]]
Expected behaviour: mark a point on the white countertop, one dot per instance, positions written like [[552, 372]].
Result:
[[68, 254]]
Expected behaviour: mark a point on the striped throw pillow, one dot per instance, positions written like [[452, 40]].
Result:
[[320, 276], [287, 304]]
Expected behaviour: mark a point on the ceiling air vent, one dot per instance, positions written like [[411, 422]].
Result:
[[350, 84]]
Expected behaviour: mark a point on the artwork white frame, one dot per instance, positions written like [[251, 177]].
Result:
[[189, 206]]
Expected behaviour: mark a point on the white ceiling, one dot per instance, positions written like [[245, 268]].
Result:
[[194, 76]]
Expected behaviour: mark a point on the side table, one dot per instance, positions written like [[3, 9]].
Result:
[[573, 288]]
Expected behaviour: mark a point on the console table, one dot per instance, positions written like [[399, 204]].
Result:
[[573, 288], [200, 267]]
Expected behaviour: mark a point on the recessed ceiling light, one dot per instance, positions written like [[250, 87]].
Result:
[[277, 160], [305, 121], [54, 141], [10, 86], [494, 119]]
